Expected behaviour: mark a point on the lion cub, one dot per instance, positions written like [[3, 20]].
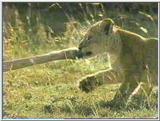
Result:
[[136, 55]]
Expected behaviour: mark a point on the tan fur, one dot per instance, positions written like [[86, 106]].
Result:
[[136, 54]]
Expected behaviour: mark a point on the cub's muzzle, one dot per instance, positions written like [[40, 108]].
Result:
[[81, 53]]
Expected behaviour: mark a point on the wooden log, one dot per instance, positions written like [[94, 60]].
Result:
[[69, 53]]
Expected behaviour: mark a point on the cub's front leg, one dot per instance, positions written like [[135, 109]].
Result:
[[136, 84], [126, 89], [91, 82]]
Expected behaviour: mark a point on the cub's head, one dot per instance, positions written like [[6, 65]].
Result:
[[95, 40]]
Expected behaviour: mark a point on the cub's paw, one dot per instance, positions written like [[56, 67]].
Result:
[[89, 83]]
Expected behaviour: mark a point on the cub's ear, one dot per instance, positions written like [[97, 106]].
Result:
[[108, 25]]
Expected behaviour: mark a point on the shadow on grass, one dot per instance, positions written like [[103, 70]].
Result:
[[86, 107], [137, 103]]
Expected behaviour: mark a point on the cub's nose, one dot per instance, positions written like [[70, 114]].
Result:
[[79, 54], [80, 48]]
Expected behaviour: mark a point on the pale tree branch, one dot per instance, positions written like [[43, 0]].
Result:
[[69, 53]]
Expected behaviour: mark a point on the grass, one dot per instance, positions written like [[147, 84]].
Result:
[[50, 90]]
